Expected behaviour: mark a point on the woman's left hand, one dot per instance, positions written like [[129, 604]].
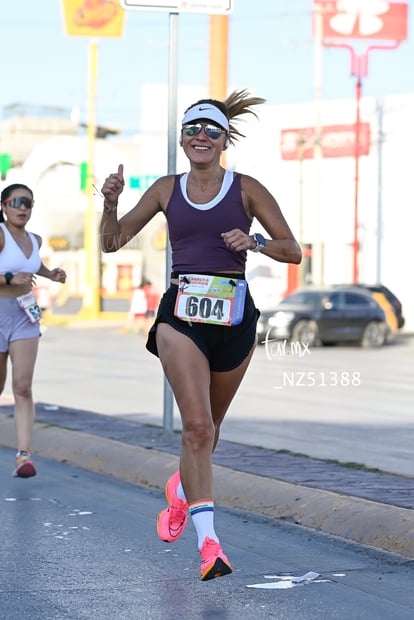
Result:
[[237, 240], [58, 275]]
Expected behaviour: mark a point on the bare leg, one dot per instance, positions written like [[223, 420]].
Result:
[[223, 388], [3, 369], [203, 399], [187, 371], [23, 357]]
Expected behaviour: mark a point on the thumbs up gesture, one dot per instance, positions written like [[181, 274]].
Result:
[[113, 187]]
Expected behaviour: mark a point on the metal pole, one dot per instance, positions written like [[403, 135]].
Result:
[[317, 247], [172, 96], [357, 155], [168, 417], [301, 156], [380, 111]]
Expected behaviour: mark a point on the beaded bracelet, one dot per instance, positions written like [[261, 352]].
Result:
[[111, 209]]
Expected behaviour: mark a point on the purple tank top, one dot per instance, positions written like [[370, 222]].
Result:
[[195, 238]]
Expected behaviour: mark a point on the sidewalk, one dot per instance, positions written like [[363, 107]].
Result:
[[370, 507]]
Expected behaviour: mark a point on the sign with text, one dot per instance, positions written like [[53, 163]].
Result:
[[336, 141], [143, 182], [180, 6], [360, 19], [93, 18]]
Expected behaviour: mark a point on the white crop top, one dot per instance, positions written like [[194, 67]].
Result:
[[13, 259]]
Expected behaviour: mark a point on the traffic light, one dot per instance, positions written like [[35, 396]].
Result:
[[83, 169], [5, 164]]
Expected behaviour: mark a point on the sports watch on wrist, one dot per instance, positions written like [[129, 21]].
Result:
[[8, 277], [260, 242]]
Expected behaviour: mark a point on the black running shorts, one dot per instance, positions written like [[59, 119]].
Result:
[[224, 347]]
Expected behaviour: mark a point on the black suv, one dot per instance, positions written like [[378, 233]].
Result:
[[326, 315]]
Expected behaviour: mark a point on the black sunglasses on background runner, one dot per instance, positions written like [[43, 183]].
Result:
[[17, 202], [212, 131]]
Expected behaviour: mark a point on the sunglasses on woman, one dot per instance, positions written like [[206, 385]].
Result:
[[17, 202], [212, 131]]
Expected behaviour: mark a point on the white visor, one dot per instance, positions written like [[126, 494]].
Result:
[[208, 112]]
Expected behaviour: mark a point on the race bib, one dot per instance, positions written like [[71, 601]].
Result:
[[217, 300], [29, 304]]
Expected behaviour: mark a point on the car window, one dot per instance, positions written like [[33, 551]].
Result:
[[353, 299], [336, 299], [291, 299], [302, 297], [380, 288]]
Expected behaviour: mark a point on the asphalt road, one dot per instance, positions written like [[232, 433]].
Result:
[[77, 546], [342, 403]]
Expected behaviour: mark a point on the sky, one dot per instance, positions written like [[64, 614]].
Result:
[[271, 52]]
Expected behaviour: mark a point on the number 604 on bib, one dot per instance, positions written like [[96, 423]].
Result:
[[216, 300]]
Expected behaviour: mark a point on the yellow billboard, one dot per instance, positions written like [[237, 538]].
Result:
[[93, 18]]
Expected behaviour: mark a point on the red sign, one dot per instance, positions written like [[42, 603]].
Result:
[[359, 19], [336, 141]]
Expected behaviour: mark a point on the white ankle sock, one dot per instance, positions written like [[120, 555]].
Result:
[[202, 515]]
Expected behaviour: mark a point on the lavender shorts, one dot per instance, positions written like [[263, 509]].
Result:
[[14, 324]]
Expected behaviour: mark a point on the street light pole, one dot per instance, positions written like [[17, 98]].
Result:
[[168, 415], [317, 246], [355, 272], [301, 156], [380, 112]]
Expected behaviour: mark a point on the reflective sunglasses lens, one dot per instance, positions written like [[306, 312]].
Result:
[[16, 203], [192, 130], [213, 132]]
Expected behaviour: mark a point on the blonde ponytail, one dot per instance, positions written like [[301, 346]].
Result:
[[237, 103]]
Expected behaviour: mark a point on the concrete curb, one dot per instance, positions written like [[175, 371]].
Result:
[[385, 527]]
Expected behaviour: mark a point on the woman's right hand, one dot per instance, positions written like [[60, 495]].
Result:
[[113, 186], [23, 279]]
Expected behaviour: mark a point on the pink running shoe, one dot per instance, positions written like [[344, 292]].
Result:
[[213, 561], [24, 466], [171, 521]]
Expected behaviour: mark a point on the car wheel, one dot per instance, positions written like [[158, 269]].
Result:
[[374, 335], [389, 336], [306, 332]]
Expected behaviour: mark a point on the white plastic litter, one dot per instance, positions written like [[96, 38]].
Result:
[[287, 581]]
